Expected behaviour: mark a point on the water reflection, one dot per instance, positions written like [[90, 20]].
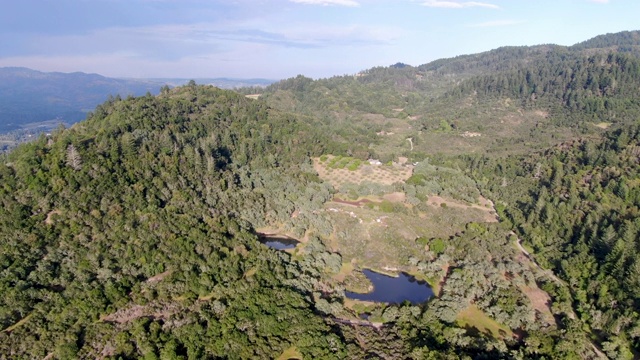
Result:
[[394, 289]]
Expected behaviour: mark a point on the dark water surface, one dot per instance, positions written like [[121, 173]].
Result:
[[394, 289], [279, 243]]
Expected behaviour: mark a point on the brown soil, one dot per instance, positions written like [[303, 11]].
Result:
[[540, 300], [490, 215], [541, 113], [159, 277], [49, 219], [395, 197]]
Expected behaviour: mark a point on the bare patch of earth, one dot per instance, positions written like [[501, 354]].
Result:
[[49, 219], [544, 114], [485, 206], [540, 300], [159, 277], [395, 197]]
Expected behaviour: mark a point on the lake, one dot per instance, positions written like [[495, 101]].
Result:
[[394, 289], [279, 243]]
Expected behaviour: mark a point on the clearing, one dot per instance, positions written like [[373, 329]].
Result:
[[290, 354], [485, 206], [338, 171], [474, 318]]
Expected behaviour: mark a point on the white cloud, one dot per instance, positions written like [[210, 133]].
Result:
[[350, 3], [600, 1], [495, 23], [458, 5]]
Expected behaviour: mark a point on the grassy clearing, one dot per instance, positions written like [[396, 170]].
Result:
[[345, 270], [290, 353], [249, 273], [474, 318], [360, 306], [376, 238]]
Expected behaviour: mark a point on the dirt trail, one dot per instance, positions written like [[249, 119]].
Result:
[[547, 272], [375, 325], [49, 219]]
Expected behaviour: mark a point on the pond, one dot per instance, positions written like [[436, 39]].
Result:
[[279, 243], [394, 289]]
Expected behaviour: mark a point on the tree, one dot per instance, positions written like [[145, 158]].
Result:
[[73, 158]]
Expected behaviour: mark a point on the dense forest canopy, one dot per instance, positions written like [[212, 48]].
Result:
[[507, 180]]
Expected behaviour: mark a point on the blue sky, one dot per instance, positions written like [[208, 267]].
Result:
[[282, 38]]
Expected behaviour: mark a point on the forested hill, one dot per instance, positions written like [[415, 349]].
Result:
[[605, 66], [536, 90], [578, 207], [131, 233], [625, 41]]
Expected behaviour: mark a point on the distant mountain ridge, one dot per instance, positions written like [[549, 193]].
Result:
[[29, 96], [222, 83]]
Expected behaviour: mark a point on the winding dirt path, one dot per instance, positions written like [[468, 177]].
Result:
[[375, 325], [551, 275], [547, 272]]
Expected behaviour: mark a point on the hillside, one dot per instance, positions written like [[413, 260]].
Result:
[[126, 222], [511, 99], [507, 181], [128, 233]]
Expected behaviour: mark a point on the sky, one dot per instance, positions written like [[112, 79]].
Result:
[[277, 39]]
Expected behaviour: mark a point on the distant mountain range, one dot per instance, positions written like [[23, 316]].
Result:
[[29, 97]]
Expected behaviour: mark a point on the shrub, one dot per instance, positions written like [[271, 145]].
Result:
[[438, 246], [422, 241], [386, 206]]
